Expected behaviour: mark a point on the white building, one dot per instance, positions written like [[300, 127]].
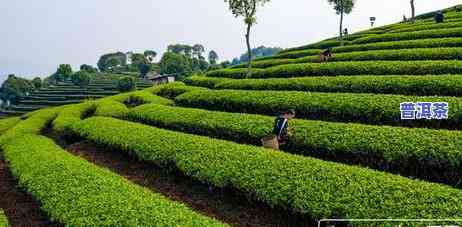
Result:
[[158, 79]]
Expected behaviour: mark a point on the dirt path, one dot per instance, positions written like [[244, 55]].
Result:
[[20, 208]]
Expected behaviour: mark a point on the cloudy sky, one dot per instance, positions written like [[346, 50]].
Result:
[[36, 36]]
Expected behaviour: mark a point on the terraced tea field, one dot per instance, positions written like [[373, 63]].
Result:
[[189, 154], [67, 93]]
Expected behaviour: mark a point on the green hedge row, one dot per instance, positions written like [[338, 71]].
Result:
[[113, 106], [385, 33], [319, 45], [418, 23], [449, 14], [365, 108], [428, 27], [110, 108], [48, 102], [69, 115], [420, 43], [407, 44], [3, 219], [74, 93], [203, 81], [8, 123], [376, 55], [429, 154], [441, 85], [172, 90], [292, 54], [316, 188], [437, 33], [347, 68], [76, 193], [32, 125], [139, 97], [402, 25]]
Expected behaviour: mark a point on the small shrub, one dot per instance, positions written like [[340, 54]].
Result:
[[81, 78], [127, 83]]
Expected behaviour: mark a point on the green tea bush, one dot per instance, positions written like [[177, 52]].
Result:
[[320, 45], [406, 44], [8, 123], [418, 23], [442, 85], [347, 68], [203, 81], [436, 33], [69, 115], [75, 192], [110, 108], [172, 90], [364, 108], [428, 27], [376, 55], [294, 54], [140, 97], [429, 154], [278, 178], [49, 102], [3, 219], [125, 84], [32, 125]]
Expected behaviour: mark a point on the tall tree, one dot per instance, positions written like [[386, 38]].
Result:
[[248, 10], [260, 51], [198, 49], [37, 83], [342, 7], [412, 11], [213, 57], [187, 51], [174, 64], [141, 63], [111, 60], [88, 68], [150, 55], [14, 88], [81, 78], [63, 72], [138, 59]]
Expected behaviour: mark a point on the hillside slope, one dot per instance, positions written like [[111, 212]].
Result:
[[350, 155]]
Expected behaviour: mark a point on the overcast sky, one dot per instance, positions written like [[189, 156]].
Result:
[[36, 36]]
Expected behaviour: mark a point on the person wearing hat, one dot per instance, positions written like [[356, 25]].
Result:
[[281, 126]]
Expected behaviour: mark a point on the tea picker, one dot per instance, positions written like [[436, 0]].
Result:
[[281, 133]]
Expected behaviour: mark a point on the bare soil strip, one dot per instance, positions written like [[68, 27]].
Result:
[[226, 205], [20, 208]]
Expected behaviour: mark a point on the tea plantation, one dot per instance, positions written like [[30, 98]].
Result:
[[67, 93], [350, 155]]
